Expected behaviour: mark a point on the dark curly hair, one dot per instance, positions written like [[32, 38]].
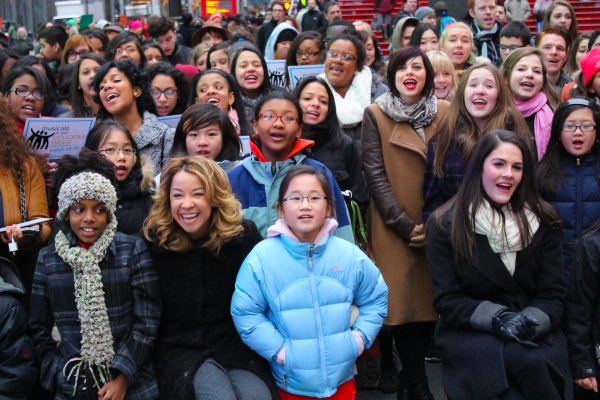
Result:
[[280, 96], [14, 153], [356, 40], [87, 161], [65, 77], [160, 26], [183, 89], [291, 55], [120, 40], [238, 103], [137, 77]]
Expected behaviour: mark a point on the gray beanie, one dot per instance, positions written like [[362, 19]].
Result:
[[422, 12]]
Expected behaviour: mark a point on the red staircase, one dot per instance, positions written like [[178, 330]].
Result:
[[363, 10]]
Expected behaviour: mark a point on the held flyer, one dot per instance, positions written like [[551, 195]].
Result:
[[57, 136]]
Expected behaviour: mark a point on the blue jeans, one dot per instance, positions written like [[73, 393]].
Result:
[[213, 382]]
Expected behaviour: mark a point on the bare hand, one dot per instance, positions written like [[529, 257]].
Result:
[[114, 390], [588, 383], [12, 230], [417, 236]]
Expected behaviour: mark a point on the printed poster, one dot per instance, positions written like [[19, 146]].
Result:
[[276, 72], [57, 136], [170, 120], [299, 72]]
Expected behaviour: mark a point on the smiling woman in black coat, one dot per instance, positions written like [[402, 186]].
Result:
[[197, 265], [498, 288]]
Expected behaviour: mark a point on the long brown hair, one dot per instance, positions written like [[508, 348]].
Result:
[[513, 59], [574, 29], [463, 207], [14, 154], [458, 125]]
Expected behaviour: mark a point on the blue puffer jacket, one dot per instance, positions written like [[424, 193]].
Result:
[[298, 295], [577, 201]]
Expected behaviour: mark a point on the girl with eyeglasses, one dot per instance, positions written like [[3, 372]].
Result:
[[76, 46], [126, 46], [168, 88], [134, 173], [296, 283], [276, 147], [353, 85], [569, 173], [123, 92], [308, 48]]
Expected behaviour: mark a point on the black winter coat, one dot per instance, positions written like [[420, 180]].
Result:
[[466, 300], [577, 201], [313, 20], [180, 55], [263, 34], [583, 309], [346, 167], [135, 199], [196, 323], [18, 371]]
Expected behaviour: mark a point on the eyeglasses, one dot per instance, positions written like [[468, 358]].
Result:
[[513, 47], [347, 57], [128, 50], [583, 128], [25, 92], [279, 10], [286, 119], [111, 151], [169, 93], [308, 54], [311, 199], [72, 55]]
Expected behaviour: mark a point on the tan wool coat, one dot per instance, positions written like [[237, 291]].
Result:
[[394, 159]]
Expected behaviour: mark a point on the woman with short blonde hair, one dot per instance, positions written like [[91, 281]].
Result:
[[444, 70], [452, 42]]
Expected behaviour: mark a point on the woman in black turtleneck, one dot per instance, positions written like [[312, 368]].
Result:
[[332, 148]]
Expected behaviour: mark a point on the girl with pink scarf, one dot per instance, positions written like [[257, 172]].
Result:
[[525, 74]]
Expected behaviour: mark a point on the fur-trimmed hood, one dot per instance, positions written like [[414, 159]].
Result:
[[148, 172]]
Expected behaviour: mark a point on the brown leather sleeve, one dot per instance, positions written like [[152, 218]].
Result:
[[377, 182], [37, 205]]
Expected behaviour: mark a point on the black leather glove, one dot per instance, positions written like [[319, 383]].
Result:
[[515, 327]]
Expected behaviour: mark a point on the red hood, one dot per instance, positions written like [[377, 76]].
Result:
[[299, 145]]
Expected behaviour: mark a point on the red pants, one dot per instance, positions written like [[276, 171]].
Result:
[[346, 391]]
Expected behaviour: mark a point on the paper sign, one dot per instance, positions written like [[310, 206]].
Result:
[[245, 144], [299, 72], [170, 120], [276, 72], [57, 136]]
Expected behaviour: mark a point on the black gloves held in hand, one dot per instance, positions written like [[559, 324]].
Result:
[[514, 326]]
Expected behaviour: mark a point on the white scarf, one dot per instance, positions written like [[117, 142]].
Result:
[[504, 239], [350, 108]]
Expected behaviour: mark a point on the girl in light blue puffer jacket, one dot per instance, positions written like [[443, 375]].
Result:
[[294, 292]]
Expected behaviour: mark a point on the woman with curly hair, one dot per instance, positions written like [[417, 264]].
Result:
[[22, 198], [123, 91], [198, 240], [169, 89]]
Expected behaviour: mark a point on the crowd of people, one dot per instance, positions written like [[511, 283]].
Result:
[[175, 263]]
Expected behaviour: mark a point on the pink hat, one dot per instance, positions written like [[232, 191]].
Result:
[[590, 64], [135, 25], [188, 70]]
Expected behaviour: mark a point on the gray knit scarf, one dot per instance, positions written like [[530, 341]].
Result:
[[418, 115]]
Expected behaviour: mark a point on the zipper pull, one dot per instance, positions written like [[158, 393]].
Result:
[[310, 251], [578, 162]]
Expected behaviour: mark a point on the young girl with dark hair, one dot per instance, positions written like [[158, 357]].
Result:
[[332, 147], [206, 131], [98, 287], [154, 54], [308, 48], [495, 258], [276, 147], [218, 57], [220, 89], [126, 46], [569, 173], [82, 88], [123, 92], [135, 173], [287, 294]]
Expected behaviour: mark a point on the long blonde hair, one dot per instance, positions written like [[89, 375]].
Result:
[[511, 61], [226, 217]]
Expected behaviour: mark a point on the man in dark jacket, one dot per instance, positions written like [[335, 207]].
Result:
[[486, 30], [18, 371], [313, 19], [163, 33], [186, 30], [332, 12], [262, 35], [408, 10]]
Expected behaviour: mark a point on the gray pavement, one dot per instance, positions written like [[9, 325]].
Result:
[[434, 372]]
